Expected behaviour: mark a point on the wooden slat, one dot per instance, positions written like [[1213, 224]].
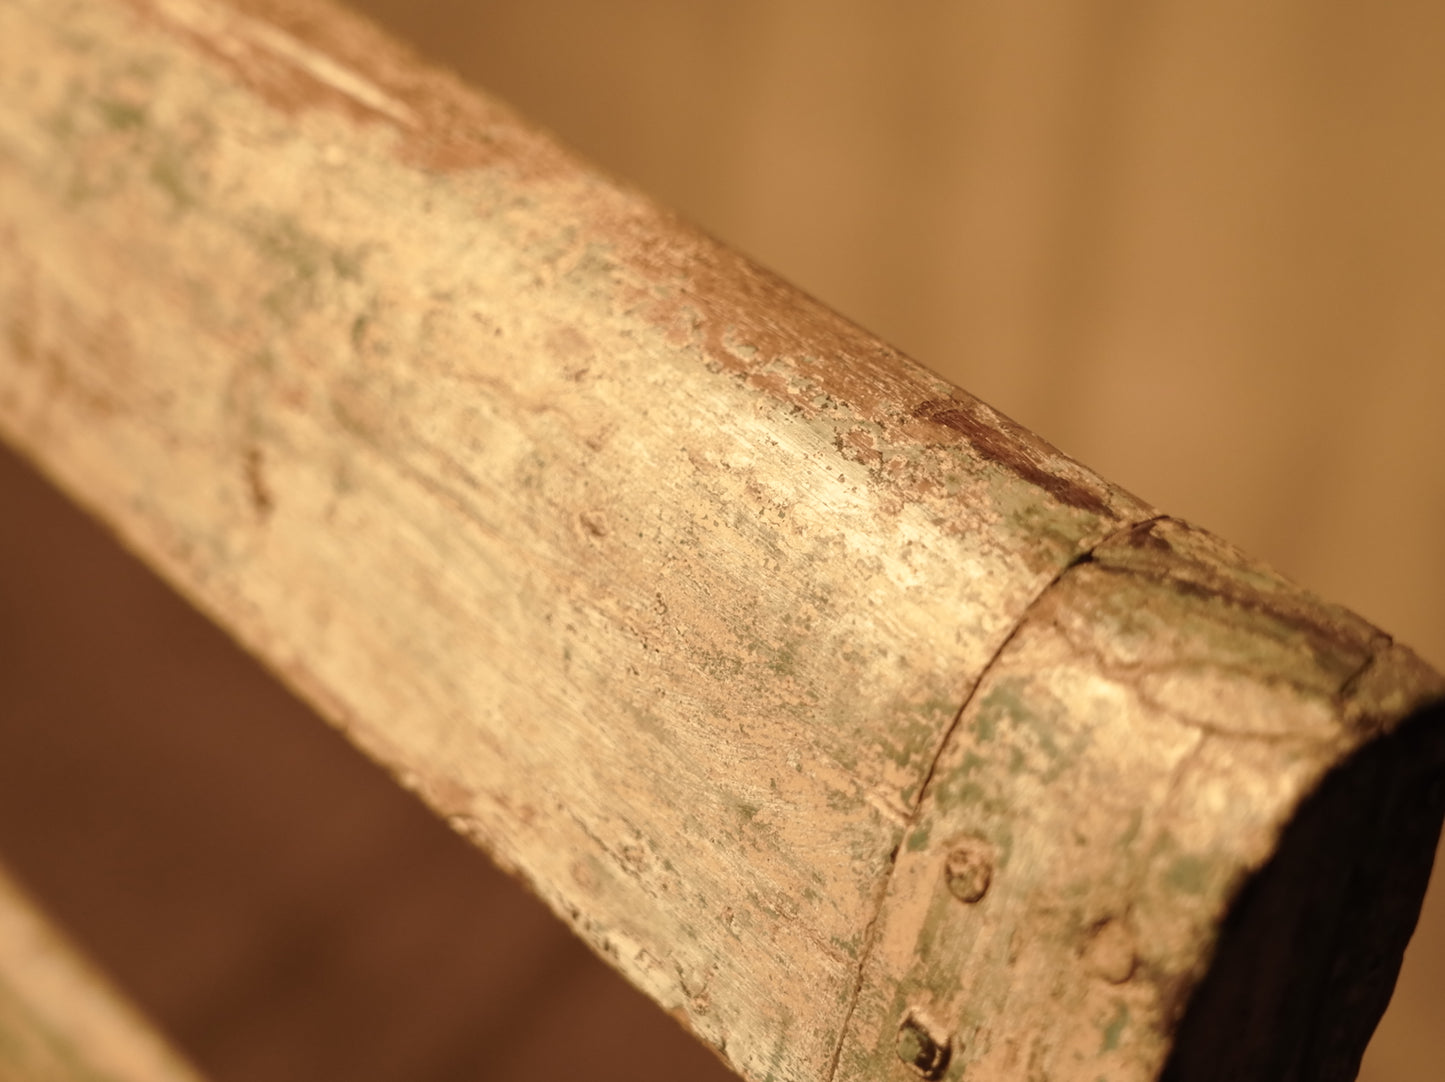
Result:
[[59, 1019], [665, 584]]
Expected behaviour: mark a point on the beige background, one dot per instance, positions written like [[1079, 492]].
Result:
[[1199, 246]]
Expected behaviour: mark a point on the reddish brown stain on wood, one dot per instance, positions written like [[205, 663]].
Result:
[[451, 129], [454, 131], [1011, 446], [276, 81], [743, 319]]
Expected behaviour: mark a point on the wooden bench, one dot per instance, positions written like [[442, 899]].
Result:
[[853, 723]]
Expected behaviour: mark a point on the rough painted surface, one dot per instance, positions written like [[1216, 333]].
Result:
[[1126, 764], [662, 582], [59, 1021]]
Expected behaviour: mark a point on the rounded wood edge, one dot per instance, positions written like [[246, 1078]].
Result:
[[1199, 804]]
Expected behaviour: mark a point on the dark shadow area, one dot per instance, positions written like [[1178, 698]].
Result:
[[1310, 952], [266, 894]]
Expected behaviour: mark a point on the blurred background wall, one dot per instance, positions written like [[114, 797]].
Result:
[[1201, 247]]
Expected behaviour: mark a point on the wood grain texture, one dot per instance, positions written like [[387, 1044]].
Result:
[[59, 1020], [660, 581]]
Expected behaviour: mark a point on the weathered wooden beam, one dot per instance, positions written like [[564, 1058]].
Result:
[[59, 1019], [855, 724]]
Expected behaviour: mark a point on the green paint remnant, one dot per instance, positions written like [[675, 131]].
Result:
[[1003, 705], [347, 263], [1115, 1029], [784, 661], [910, 1045], [1002, 835], [1131, 832], [1057, 534], [303, 261], [61, 124], [121, 115], [972, 763], [168, 173], [935, 929], [918, 840], [1189, 874], [954, 792], [300, 256], [720, 666], [1032, 729], [282, 239]]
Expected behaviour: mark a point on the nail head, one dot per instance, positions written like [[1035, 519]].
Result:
[[921, 1050], [969, 869]]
